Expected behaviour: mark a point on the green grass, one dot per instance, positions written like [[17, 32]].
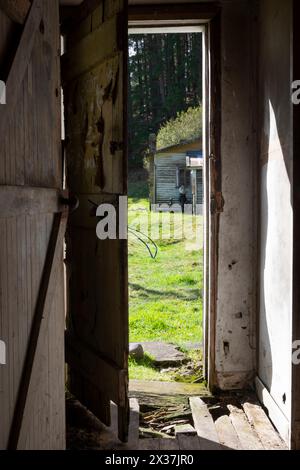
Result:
[[166, 292], [144, 369]]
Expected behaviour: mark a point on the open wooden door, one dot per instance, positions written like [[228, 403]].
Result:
[[94, 80], [32, 227]]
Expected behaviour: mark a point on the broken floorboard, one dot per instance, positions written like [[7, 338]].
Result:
[[230, 423], [160, 394], [237, 428]]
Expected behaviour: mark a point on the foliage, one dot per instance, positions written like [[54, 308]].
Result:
[[186, 127], [165, 77], [144, 369]]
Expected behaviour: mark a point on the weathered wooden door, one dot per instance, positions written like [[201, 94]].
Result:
[[94, 79], [32, 226]]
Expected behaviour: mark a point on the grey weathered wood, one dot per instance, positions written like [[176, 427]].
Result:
[[42, 312], [134, 423], [263, 427], [167, 388], [73, 17], [247, 436], [93, 73], [227, 433], [24, 200], [149, 444], [188, 442], [86, 54], [31, 158], [185, 429], [165, 168], [88, 363], [114, 418], [203, 421], [20, 62], [276, 415], [168, 444], [163, 12], [16, 10]]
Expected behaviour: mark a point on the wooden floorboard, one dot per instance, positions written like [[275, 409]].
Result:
[[248, 437], [169, 444], [133, 433], [203, 421], [149, 444], [167, 388], [227, 433], [220, 425], [263, 427], [188, 442]]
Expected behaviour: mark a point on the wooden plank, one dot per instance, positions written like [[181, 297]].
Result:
[[88, 364], [97, 401], [263, 427], [188, 442], [16, 10], [27, 148], [149, 444], [113, 418], [134, 423], [276, 415], [227, 434], [133, 432], [87, 54], [167, 388], [20, 63], [248, 438], [168, 444], [172, 12], [99, 268], [22, 200], [203, 422], [185, 429], [214, 182], [35, 431], [42, 310], [71, 17]]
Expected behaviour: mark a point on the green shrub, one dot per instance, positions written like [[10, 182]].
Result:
[[185, 128]]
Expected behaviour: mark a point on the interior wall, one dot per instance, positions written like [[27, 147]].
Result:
[[236, 296], [276, 212]]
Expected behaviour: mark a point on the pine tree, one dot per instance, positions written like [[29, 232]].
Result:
[[165, 78]]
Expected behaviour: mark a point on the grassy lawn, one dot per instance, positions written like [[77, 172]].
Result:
[[145, 369], [165, 293]]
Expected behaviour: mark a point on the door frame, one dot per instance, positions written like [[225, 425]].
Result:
[[207, 15], [295, 399]]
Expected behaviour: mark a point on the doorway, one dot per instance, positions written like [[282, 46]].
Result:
[[94, 91], [166, 217]]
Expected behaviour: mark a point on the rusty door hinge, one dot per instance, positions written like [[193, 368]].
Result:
[[217, 203]]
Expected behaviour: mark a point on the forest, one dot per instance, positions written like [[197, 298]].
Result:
[[165, 78]]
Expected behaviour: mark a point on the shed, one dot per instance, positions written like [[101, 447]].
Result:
[[176, 166]]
